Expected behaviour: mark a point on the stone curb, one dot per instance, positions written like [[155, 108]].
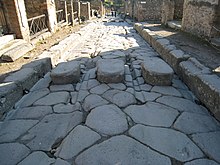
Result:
[[201, 81], [14, 86]]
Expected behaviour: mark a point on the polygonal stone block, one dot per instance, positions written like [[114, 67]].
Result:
[[110, 71], [66, 73], [156, 72]]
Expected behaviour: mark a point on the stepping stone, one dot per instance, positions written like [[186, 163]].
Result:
[[66, 73], [110, 71], [121, 150], [157, 72]]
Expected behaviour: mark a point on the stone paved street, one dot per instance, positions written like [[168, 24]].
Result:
[[109, 115]]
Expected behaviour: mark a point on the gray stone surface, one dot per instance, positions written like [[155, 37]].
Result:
[[93, 101], [156, 72], [31, 97], [166, 91], [42, 83], [209, 143], [118, 86], [12, 153], [107, 120], [79, 139], [82, 95], [61, 162], [67, 108], [121, 150], [181, 104], [54, 98], [167, 141], [100, 89], [25, 78], [13, 129], [66, 73], [39, 158], [110, 71], [152, 114], [66, 87], [202, 162], [36, 112], [190, 123], [50, 130], [120, 98]]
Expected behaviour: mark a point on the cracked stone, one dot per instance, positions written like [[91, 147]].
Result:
[[123, 150], [152, 114], [79, 139], [167, 141], [100, 89], [107, 120]]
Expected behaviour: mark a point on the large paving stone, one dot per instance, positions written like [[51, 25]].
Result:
[[58, 88], [166, 91], [202, 162], [31, 97], [167, 141], [79, 139], [39, 158], [120, 98], [13, 129], [61, 162], [121, 150], [190, 123], [54, 98], [93, 101], [209, 143], [36, 112], [67, 108], [107, 120], [12, 153], [110, 71], [66, 73], [100, 89], [153, 114], [157, 72], [181, 104], [25, 78], [10, 93], [42, 83], [50, 130]]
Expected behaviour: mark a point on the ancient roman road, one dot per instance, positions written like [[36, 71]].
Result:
[[130, 122]]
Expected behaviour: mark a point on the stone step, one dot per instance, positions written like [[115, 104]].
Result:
[[4, 40], [66, 73], [17, 50], [157, 72], [110, 71]]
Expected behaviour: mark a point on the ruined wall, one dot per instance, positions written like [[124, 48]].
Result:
[[85, 10], [199, 17], [178, 9], [148, 10], [98, 6], [35, 7]]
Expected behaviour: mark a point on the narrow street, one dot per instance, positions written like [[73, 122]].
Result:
[[95, 123]]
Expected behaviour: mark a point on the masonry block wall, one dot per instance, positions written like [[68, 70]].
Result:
[[16, 18], [85, 10], [35, 8], [178, 9], [199, 17]]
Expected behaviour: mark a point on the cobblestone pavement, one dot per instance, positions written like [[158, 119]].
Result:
[[94, 123]]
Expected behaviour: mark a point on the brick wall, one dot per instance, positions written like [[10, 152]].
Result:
[[199, 17]]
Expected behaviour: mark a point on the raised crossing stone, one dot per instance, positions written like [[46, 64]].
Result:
[[13, 153], [202, 162], [110, 71], [190, 123], [152, 114], [167, 141], [66, 73], [209, 143], [79, 139], [93, 101], [13, 129], [156, 72], [54, 98], [37, 157], [181, 104], [50, 130], [107, 120], [123, 150]]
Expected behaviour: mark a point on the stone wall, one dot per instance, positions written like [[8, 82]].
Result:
[[178, 9], [85, 10], [35, 8], [199, 17]]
